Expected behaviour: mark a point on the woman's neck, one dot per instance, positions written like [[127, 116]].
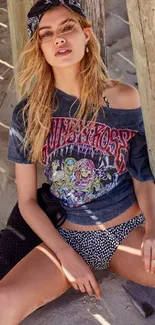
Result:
[[68, 81]]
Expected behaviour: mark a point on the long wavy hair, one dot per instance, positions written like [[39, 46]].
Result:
[[37, 84]]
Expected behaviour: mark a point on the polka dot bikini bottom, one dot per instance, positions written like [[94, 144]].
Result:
[[97, 247]]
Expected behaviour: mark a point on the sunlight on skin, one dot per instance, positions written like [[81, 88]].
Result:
[[130, 250], [123, 57], [52, 258], [50, 255]]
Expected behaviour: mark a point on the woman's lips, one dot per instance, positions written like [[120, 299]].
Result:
[[63, 53]]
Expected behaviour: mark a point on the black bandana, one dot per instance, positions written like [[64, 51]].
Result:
[[42, 6]]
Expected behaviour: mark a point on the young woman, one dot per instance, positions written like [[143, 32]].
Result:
[[87, 131]]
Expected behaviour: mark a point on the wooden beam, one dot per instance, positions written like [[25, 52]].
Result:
[[17, 11], [95, 11], [142, 24]]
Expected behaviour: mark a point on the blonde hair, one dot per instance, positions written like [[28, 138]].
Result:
[[37, 84]]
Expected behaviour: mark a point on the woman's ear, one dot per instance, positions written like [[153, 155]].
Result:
[[87, 33]]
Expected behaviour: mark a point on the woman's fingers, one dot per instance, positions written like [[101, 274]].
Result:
[[148, 250], [74, 285], [88, 286], [153, 259], [79, 274], [142, 251], [95, 287], [82, 288], [147, 256]]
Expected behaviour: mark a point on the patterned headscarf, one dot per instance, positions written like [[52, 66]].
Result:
[[42, 6]]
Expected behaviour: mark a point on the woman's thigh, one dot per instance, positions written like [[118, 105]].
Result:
[[36, 280], [127, 260]]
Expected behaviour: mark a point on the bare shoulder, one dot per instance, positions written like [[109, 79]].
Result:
[[129, 96], [124, 96]]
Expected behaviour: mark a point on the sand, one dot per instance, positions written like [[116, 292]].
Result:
[[75, 308]]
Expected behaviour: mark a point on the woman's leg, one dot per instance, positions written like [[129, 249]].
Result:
[[127, 261], [36, 280]]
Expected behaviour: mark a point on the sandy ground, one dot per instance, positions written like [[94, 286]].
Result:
[[115, 307]]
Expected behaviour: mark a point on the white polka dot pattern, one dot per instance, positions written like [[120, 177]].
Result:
[[97, 247]]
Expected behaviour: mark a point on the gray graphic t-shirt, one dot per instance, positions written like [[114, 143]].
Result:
[[89, 166]]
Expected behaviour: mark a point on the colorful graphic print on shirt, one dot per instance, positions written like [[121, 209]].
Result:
[[83, 162]]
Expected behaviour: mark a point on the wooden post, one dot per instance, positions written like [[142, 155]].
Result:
[[142, 25], [95, 11], [17, 10]]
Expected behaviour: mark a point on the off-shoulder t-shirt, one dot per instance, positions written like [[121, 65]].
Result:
[[89, 166]]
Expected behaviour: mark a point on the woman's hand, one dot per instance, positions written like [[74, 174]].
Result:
[[78, 273], [148, 250]]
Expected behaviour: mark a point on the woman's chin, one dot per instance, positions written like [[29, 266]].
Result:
[[66, 63]]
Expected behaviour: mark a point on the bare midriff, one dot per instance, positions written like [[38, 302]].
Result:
[[130, 213]]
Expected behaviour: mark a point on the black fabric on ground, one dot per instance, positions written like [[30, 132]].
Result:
[[18, 239], [142, 297]]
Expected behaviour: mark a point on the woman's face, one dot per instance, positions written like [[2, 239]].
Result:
[[63, 41]]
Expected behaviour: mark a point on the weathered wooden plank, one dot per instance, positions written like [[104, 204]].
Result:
[[142, 25], [95, 11], [17, 10]]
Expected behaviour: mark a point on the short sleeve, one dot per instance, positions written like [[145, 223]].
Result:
[[16, 152], [138, 163]]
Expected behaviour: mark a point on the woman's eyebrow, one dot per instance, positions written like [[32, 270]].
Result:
[[62, 23]]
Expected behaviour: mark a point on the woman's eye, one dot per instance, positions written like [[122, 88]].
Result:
[[67, 28], [47, 34]]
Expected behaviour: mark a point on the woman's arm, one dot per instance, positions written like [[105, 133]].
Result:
[[145, 193], [26, 176], [75, 268]]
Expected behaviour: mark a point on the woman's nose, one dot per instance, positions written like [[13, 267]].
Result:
[[60, 41]]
